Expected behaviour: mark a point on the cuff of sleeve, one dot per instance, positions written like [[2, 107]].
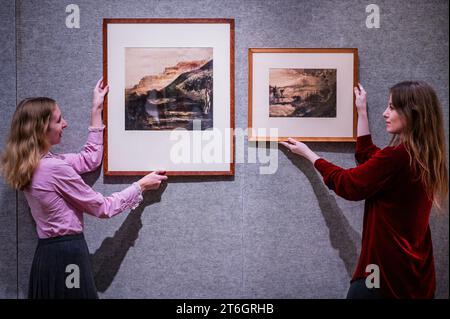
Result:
[[96, 128], [139, 197], [320, 164], [95, 135]]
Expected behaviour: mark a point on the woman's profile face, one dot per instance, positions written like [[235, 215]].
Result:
[[394, 122], [56, 126]]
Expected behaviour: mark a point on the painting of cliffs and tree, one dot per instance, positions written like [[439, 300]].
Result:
[[302, 93], [168, 88]]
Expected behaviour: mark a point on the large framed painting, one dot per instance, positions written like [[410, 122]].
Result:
[[306, 94], [170, 104]]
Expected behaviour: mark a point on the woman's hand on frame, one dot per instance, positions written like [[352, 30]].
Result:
[[100, 90], [152, 181], [360, 99], [301, 149]]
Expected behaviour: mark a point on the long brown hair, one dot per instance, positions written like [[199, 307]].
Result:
[[424, 137], [27, 140]]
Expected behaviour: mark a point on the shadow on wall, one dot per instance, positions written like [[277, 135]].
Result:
[[107, 259], [109, 256], [343, 237]]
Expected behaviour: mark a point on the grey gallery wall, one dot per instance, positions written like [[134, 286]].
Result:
[[282, 235]]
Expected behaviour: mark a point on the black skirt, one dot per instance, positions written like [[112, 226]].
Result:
[[62, 269]]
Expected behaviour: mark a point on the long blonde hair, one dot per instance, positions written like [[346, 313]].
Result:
[[423, 136], [27, 140]]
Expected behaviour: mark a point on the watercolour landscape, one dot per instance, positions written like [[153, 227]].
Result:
[[168, 88], [302, 92]]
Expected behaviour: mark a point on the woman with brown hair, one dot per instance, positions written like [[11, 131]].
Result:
[[400, 184], [58, 196]]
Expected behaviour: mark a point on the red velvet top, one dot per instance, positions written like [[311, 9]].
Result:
[[396, 233]]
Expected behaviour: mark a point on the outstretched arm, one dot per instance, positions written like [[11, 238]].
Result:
[[83, 198], [301, 149], [356, 183], [366, 179], [361, 107], [91, 156], [71, 187], [364, 147]]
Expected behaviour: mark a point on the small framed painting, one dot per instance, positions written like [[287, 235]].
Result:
[[306, 94]]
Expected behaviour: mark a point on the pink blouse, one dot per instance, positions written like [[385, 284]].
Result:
[[58, 196]]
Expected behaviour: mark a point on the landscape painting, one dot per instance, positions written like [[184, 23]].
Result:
[[302, 93], [168, 88]]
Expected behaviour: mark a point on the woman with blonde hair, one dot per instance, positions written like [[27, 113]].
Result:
[[400, 184], [58, 196]]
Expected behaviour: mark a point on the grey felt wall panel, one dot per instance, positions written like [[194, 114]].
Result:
[[253, 236], [8, 238]]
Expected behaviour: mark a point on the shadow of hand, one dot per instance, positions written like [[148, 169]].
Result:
[[109, 256], [342, 236]]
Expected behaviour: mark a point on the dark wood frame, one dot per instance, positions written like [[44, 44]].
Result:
[[105, 79], [300, 50]]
